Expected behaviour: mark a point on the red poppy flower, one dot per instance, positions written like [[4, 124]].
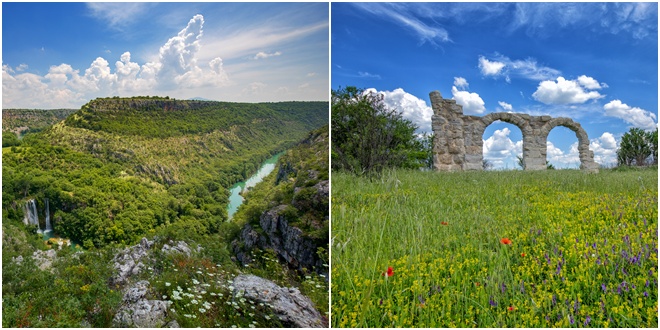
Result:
[[389, 272], [523, 254], [505, 241], [477, 284], [444, 223], [511, 308]]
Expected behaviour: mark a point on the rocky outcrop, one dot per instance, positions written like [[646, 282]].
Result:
[[138, 311], [130, 261], [287, 241], [288, 304], [180, 247]]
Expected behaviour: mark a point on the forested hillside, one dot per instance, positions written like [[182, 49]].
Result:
[[140, 187], [120, 168], [22, 121]]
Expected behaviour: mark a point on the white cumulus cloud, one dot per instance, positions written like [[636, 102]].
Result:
[[604, 148], [560, 159], [461, 83], [471, 102], [490, 68], [410, 106], [635, 116], [500, 150], [505, 106], [176, 68], [564, 91]]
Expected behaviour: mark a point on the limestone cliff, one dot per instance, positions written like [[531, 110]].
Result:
[[294, 221]]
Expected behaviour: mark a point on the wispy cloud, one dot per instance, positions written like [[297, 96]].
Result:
[[500, 65], [543, 19], [261, 55], [363, 74], [118, 14], [247, 42], [409, 18]]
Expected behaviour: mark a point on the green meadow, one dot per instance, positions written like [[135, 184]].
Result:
[[495, 249]]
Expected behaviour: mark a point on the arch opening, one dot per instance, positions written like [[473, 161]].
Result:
[[502, 146], [562, 149]]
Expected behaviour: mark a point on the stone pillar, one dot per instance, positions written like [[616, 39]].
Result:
[[447, 124]]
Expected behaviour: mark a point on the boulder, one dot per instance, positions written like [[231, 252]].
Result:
[[137, 311], [181, 247], [292, 308], [128, 261]]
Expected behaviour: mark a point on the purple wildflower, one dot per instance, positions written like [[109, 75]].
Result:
[[558, 269], [604, 287], [576, 306], [647, 283], [492, 302], [554, 300], [570, 318], [381, 301], [646, 294], [593, 245], [503, 287], [587, 320]]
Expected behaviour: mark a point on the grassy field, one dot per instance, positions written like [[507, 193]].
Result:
[[495, 249]]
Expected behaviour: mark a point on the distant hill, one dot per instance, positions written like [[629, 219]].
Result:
[[197, 98], [21, 121]]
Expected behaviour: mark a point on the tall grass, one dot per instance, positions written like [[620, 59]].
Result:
[[583, 251]]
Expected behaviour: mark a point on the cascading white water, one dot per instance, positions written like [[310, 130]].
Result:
[[49, 227], [31, 215]]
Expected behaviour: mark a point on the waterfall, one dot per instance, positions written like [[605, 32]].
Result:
[[49, 227], [31, 215]]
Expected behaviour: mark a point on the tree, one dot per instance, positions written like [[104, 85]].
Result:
[[368, 137], [638, 148], [9, 139]]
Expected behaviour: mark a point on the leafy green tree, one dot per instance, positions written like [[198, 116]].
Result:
[[638, 148], [368, 137], [9, 139]]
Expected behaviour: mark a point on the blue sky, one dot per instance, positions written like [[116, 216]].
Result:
[[61, 55], [596, 63]]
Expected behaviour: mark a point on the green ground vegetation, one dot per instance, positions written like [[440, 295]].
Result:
[[495, 249]]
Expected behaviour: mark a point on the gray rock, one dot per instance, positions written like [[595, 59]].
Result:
[[292, 308], [181, 247], [128, 261], [44, 259], [137, 311]]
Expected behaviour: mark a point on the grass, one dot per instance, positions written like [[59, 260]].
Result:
[[583, 249]]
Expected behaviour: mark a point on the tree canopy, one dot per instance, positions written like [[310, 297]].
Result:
[[638, 148], [368, 136]]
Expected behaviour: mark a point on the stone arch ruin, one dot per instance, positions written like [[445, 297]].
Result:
[[458, 144]]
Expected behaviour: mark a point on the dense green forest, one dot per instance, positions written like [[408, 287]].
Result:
[[120, 169]]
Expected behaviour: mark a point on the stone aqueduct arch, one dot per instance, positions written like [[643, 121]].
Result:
[[458, 144]]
